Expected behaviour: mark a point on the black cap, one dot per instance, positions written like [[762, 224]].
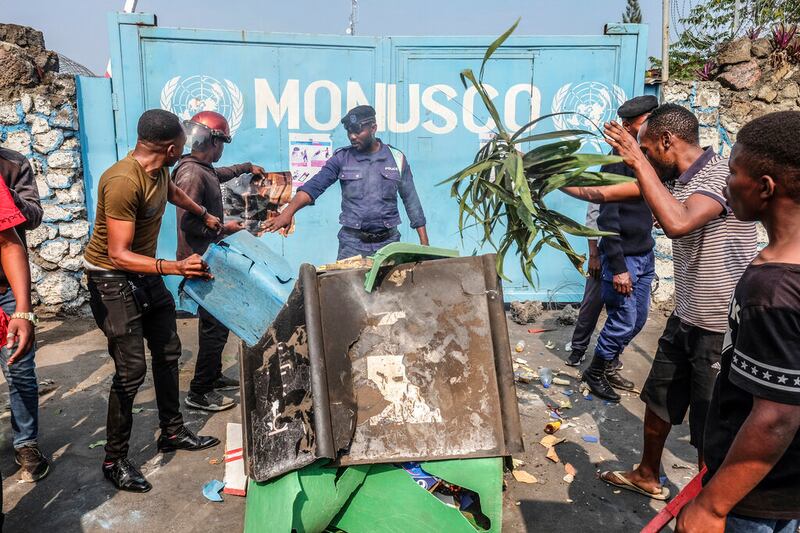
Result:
[[359, 115], [637, 106]]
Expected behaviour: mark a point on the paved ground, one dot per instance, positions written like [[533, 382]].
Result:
[[75, 497]]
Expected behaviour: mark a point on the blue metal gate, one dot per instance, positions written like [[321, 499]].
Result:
[[272, 85]]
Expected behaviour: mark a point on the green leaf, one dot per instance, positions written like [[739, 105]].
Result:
[[496, 44], [550, 135], [487, 102]]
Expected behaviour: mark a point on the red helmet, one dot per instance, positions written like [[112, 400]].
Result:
[[214, 122]]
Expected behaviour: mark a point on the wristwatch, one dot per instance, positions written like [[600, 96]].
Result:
[[30, 317], [204, 212]]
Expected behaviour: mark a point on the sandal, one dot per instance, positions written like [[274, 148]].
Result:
[[626, 484]]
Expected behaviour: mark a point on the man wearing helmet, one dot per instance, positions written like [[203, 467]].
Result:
[[371, 174], [207, 133]]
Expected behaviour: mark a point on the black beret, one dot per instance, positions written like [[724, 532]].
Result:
[[359, 114], [637, 106]]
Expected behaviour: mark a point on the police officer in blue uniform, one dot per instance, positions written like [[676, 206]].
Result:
[[371, 174]]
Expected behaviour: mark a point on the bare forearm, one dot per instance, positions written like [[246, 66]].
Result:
[[129, 261], [671, 214], [300, 200], [759, 445], [593, 249], [423, 235], [14, 260], [605, 194], [179, 198]]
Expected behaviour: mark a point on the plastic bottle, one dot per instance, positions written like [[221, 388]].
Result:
[[519, 347], [545, 377]]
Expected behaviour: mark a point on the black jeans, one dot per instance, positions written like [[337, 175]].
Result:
[[213, 336], [130, 309], [589, 312]]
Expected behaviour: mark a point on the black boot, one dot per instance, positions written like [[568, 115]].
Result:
[[595, 378], [615, 378]]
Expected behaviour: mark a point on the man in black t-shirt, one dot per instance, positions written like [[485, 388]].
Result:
[[752, 442]]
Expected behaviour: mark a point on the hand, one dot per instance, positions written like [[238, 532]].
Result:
[[594, 266], [623, 284], [258, 171], [280, 222], [694, 517], [212, 222], [194, 267], [624, 144], [232, 226], [20, 333]]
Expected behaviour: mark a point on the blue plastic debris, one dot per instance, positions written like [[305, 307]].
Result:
[[251, 283], [420, 476], [211, 490], [567, 392], [590, 438]]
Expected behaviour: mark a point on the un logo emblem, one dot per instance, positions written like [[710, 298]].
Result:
[[594, 102], [193, 94]]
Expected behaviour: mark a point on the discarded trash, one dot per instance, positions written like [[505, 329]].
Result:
[[539, 330], [137, 410], [526, 312], [47, 386], [211, 490], [617, 491], [552, 427], [552, 455], [569, 478], [550, 345], [568, 346], [565, 404], [676, 466], [524, 375], [213, 461], [561, 381], [548, 441], [590, 438], [517, 463], [524, 477], [569, 469], [101, 442], [519, 348], [585, 391], [520, 360], [568, 316], [47, 382], [545, 377], [568, 392], [421, 477]]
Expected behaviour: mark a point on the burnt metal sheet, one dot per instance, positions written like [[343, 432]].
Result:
[[419, 369]]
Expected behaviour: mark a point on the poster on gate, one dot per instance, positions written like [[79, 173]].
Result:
[[308, 153]]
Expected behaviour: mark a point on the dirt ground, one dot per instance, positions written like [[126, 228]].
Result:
[[75, 496]]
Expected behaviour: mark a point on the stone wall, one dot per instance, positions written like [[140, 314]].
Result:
[[38, 117]]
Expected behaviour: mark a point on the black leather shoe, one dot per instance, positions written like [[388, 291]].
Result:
[[184, 439], [595, 377], [125, 476]]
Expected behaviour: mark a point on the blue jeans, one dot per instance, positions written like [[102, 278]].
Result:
[[626, 314], [23, 387], [350, 245], [746, 524]]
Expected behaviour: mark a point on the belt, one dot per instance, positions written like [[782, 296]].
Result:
[[380, 236], [117, 274]]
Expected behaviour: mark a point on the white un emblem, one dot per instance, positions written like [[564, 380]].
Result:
[[594, 102], [188, 96]]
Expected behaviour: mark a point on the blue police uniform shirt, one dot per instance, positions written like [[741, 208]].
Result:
[[370, 183]]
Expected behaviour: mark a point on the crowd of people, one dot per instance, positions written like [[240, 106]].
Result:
[[729, 355]]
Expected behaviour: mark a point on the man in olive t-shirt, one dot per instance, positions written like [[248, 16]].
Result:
[[129, 300]]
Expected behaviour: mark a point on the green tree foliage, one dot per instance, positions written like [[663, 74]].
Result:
[[711, 23], [633, 13]]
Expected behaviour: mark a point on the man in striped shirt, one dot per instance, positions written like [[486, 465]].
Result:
[[683, 185]]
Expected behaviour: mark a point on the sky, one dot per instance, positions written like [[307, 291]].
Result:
[[78, 28]]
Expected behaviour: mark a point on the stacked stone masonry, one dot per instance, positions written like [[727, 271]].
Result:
[[38, 118]]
